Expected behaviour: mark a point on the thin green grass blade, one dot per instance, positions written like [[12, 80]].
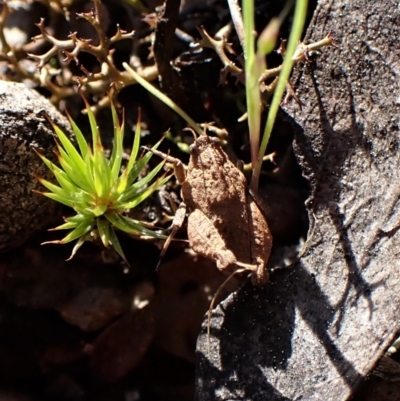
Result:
[[300, 14], [97, 173], [65, 157], [252, 74], [116, 127], [165, 99], [84, 198], [76, 220]]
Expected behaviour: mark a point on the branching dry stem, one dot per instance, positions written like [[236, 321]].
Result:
[[109, 81], [221, 46]]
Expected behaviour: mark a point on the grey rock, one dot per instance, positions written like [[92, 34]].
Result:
[[23, 129]]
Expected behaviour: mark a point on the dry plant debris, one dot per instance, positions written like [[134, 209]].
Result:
[[62, 82], [221, 46]]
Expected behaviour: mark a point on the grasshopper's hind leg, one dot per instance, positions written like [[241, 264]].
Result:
[[177, 223]]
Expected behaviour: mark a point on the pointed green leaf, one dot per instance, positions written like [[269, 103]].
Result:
[[99, 210], [137, 225], [65, 182], [93, 124], [89, 169], [141, 196], [52, 187], [131, 226], [69, 225], [76, 247], [84, 209], [77, 218], [134, 171], [130, 195], [79, 180], [103, 169], [63, 155], [139, 185], [98, 159], [116, 220], [53, 167], [116, 155], [83, 146], [127, 179], [80, 231], [136, 144], [70, 149], [70, 169], [65, 200], [61, 176], [116, 245], [103, 225]]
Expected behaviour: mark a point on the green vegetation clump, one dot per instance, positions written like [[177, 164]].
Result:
[[93, 185]]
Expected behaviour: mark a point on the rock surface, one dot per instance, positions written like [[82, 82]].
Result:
[[24, 128]]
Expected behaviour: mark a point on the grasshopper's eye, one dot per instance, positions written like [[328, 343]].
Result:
[[215, 140], [224, 258], [193, 148]]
